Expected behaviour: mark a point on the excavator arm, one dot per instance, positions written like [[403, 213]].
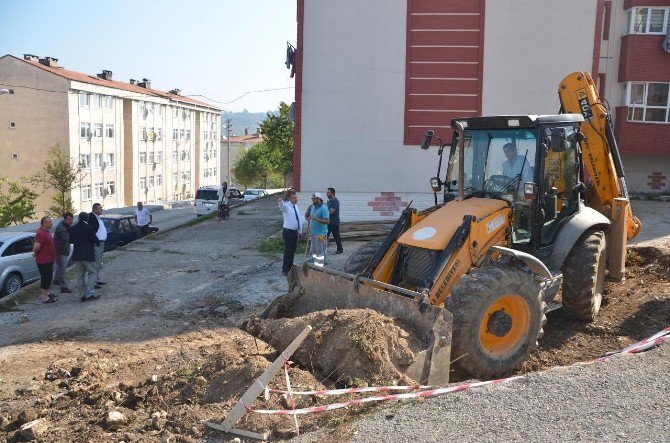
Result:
[[600, 153]]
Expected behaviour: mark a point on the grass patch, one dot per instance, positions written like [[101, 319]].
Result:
[[199, 220], [275, 246]]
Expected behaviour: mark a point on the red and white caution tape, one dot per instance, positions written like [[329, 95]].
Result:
[[323, 392], [643, 345], [346, 404], [424, 391]]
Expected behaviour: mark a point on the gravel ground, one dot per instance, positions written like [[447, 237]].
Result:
[[624, 399]]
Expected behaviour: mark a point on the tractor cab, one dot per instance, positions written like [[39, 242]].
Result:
[[531, 162]]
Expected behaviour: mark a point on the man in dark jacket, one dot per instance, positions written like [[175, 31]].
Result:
[[62, 242], [84, 241]]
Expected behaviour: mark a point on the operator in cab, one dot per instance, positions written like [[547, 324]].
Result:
[[512, 166]]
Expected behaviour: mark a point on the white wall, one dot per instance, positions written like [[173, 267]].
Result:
[[529, 47], [353, 100], [354, 84]]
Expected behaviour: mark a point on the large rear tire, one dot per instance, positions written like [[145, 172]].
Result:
[[357, 261], [584, 276], [498, 313]]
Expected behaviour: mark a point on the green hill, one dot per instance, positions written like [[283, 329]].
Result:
[[242, 120]]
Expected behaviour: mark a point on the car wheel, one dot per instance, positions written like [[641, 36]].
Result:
[[13, 283]]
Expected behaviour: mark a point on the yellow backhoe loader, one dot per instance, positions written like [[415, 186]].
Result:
[[526, 210]]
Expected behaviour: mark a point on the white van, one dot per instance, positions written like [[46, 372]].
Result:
[[206, 200]]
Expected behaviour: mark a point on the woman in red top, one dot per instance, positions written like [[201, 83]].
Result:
[[44, 251]]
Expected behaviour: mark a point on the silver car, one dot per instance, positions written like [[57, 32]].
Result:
[[17, 264]]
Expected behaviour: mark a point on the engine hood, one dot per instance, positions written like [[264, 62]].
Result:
[[436, 230]]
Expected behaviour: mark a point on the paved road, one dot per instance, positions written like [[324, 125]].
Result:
[[163, 219]]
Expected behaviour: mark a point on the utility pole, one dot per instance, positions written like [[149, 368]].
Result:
[[229, 127]]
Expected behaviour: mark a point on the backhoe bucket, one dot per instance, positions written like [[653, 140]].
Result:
[[314, 289]]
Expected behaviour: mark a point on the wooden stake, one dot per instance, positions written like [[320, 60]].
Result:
[[255, 390]]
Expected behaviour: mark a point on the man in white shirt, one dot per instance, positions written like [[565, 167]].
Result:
[[512, 166], [293, 223], [98, 226], [143, 218], [221, 193]]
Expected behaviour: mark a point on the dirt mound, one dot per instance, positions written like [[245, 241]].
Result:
[[351, 347], [631, 310], [77, 400]]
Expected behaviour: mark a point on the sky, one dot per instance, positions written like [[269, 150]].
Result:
[[220, 49]]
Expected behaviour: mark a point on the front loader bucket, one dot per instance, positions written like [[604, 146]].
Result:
[[314, 289]]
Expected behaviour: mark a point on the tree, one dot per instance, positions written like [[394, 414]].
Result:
[[60, 174], [17, 204], [277, 131], [252, 168]]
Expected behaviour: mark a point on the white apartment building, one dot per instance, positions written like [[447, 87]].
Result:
[[136, 143]]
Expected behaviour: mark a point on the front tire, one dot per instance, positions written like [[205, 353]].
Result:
[[498, 313], [12, 284], [584, 276]]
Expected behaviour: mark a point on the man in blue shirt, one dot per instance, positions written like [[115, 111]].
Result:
[[293, 222], [334, 225], [319, 218]]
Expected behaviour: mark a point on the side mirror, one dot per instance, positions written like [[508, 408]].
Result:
[[436, 184], [558, 139], [427, 139]]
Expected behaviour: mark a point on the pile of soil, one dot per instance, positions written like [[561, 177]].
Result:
[[631, 311], [76, 400], [350, 347]]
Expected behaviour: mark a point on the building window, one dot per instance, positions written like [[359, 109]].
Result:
[[648, 20], [205, 135], [97, 160], [175, 134], [188, 134], [648, 102], [109, 102], [175, 156], [159, 156], [182, 155], [97, 130], [188, 155], [110, 160], [97, 101], [158, 135], [143, 158], [111, 188], [159, 180], [86, 192], [151, 182], [143, 133], [143, 183], [109, 131], [85, 130], [214, 172], [84, 99], [85, 161], [151, 158], [175, 112], [181, 133], [143, 109], [98, 190]]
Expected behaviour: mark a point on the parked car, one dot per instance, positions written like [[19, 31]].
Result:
[[121, 230], [17, 264], [253, 194], [234, 193], [207, 199]]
